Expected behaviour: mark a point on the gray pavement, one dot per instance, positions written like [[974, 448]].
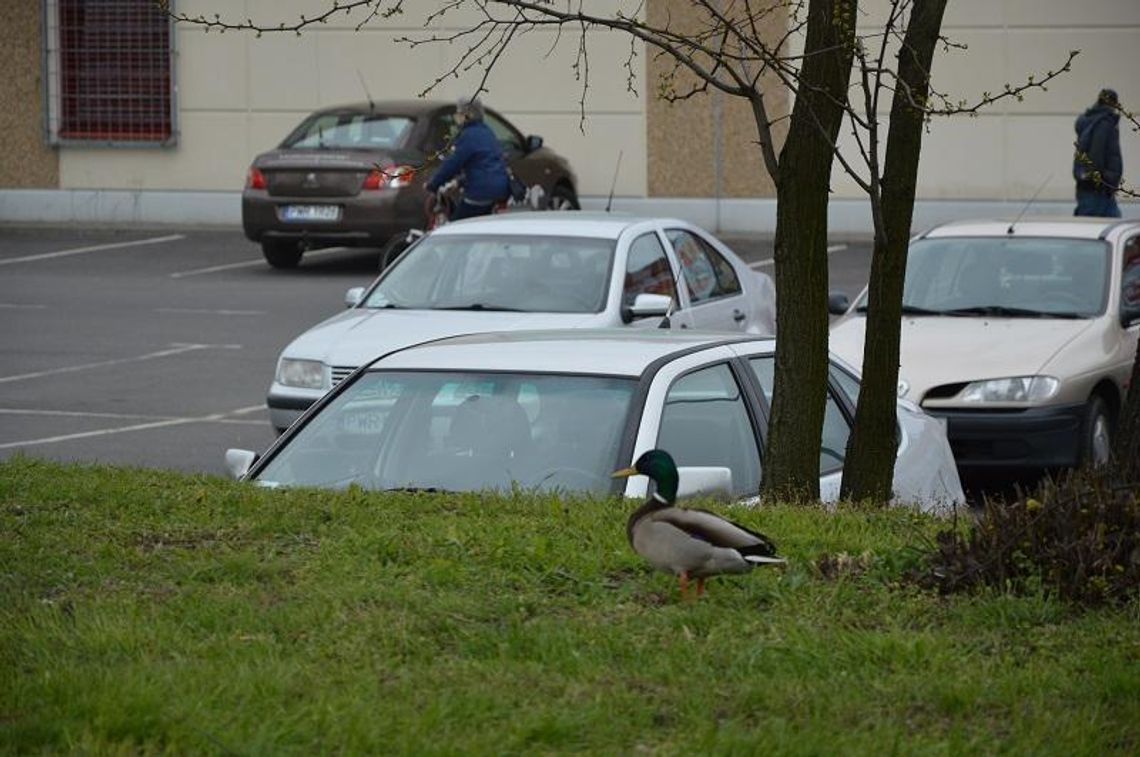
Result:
[[155, 347]]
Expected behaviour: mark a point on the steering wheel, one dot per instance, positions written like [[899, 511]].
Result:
[[590, 479]]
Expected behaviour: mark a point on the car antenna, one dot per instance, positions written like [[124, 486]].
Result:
[[371, 104], [1031, 201], [610, 201]]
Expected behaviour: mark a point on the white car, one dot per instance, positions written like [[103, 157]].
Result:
[[533, 270], [1021, 335], [560, 410]]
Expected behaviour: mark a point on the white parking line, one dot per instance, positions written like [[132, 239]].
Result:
[[215, 417], [176, 349], [770, 261], [249, 263], [93, 248], [203, 311]]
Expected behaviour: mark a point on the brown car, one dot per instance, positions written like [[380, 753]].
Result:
[[353, 175]]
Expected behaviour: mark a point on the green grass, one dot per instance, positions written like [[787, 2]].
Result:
[[151, 612]]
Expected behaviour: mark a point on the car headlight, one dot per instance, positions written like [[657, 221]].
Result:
[[1016, 389], [305, 374]]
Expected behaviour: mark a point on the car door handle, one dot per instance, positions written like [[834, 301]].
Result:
[[738, 315]]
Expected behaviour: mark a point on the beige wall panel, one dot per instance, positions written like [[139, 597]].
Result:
[[264, 131], [283, 73], [211, 71], [594, 154], [1013, 13], [212, 156], [25, 160], [269, 13], [526, 77]]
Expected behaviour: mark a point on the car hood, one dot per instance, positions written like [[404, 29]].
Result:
[[359, 335], [941, 350]]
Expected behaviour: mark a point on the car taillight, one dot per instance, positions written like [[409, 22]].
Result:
[[393, 177], [255, 179]]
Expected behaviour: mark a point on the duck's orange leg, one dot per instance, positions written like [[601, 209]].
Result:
[[700, 586], [683, 582]]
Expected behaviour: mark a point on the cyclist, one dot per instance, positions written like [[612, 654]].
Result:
[[479, 157]]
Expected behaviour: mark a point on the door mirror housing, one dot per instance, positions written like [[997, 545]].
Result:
[[647, 305], [704, 481], [1129, 315], [353, 297], [533, 142], [239, 461], [838, 303]]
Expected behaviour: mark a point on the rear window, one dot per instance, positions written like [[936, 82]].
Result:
[[362, 131]]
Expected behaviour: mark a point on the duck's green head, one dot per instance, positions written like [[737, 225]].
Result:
[[658, 465]]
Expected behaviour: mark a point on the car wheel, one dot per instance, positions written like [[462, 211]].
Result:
[[281, 254], [1096, 433], [562, 197], [397, 244]]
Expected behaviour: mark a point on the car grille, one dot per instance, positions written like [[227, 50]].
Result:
[[340, 373]]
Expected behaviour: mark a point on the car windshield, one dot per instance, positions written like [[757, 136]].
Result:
[[531, 273], [351, 131], [997, 276], [461, 432]]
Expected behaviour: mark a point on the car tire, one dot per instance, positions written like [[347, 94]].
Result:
[[281, 254], [1096, 433], [390, 251], [562, 197]]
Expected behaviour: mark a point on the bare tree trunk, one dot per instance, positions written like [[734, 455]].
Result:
[[870, 462], [791, 459], [1127, 446]]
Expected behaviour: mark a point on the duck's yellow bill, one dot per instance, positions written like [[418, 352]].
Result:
[[624, 472]]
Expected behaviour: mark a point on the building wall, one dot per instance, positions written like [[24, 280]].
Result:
[[1017, 148], [238, 94], [25, 160]]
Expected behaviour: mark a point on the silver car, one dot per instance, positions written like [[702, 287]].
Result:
[[559, 410], [1020, 335], [529, 270]]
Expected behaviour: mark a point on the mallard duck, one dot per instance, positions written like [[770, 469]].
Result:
[[689, 543]]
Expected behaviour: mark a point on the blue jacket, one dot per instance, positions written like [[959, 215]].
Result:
[[1098, 137], [479, 156]]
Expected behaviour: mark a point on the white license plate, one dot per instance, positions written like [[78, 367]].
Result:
[[310, 213]]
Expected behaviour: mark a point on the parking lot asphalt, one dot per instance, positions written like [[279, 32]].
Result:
[[155, 347]]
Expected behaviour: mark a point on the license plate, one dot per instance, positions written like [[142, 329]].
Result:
[[362, 423], [310, 213]]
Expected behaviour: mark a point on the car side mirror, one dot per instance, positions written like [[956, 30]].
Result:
[[533, 142], [704, 481], [353, 297], [838, 303], [239, 461], [1129, 315], [646, 305]]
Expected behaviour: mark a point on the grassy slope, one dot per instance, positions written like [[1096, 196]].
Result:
[[145, 611]]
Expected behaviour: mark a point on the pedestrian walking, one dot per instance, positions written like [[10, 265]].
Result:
[[1097, 164]]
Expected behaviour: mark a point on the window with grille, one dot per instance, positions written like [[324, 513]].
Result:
[[109, 72]]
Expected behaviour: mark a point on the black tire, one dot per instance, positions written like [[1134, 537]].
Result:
[[1096, 433], [281, 253], [390, 251], [562, 197]]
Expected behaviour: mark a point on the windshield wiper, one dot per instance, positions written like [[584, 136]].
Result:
[[481, 306], [908, 310], [388, 306], [1001, 310]]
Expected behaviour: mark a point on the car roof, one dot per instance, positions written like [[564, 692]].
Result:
[[407, 107], [555, 222], [1077, 227], [615, 352]]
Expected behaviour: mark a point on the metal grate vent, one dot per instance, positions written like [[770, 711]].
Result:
[[109, 72]]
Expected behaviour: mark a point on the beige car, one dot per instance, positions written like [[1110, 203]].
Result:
[[1021, 335]]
